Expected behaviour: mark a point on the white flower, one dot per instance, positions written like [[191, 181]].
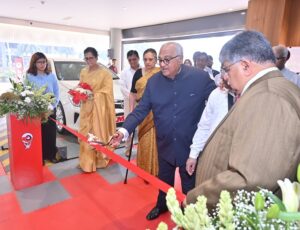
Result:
[[289, 195], [80, 90], [92, 138], [26, 92], [16, 80], [27, 100], [50, 107]]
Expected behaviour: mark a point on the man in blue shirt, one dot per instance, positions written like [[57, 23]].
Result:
[[176, 95]]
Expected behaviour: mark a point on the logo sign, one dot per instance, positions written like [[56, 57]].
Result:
[[27, 139], [18, 64]]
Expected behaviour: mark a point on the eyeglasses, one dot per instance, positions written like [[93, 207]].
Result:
[[88, 58], [166, 61], [226, 69], [41, 62]]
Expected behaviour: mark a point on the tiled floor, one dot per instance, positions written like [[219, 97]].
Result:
[[70, 199], [75, 200]]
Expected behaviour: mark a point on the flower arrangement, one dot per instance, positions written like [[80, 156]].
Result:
[[26, 102], [81, 92], [247, 210]]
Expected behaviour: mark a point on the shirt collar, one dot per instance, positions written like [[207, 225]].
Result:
[[134, 69], [257, 76]]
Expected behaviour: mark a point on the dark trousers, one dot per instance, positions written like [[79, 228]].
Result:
[[167, 174], [49, 138]]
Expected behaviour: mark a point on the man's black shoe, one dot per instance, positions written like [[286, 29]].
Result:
[[155, 212]]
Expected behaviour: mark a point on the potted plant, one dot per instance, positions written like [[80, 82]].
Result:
[[25, 108]]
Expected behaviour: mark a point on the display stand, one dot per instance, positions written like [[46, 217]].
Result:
[[25, 151]]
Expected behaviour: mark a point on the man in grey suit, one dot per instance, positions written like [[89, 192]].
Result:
[[258, 141], [176, 95]]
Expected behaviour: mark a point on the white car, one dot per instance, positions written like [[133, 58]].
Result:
[[67, 113]]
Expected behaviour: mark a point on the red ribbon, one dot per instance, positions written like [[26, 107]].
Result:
[[157, 183]]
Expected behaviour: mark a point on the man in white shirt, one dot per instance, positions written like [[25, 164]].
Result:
[[281, 55], [218, 104], [126, 80]]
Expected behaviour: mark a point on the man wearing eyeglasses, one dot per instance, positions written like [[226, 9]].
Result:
[[281, 54], [176, 95], [258, 141]]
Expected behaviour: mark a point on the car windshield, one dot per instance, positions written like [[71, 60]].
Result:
[[70, 71]]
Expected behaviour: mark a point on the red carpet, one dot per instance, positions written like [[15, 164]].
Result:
[[94, 204], [2, 170]]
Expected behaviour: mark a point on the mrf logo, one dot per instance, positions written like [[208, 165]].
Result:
[[27, 139]]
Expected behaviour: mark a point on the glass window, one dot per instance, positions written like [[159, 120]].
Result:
[[211, 45], [68, 71], [293, 63]]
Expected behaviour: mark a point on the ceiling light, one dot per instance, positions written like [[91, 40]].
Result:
[[230, 9], [67, 18]]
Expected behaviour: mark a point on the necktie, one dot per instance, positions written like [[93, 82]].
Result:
[[230, 101]]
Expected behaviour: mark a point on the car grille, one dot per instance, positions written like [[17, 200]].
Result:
[[119, 104]]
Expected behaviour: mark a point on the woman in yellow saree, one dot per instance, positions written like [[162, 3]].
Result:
[[147, 147], [97, 116]]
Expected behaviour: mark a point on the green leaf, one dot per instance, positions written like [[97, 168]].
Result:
[[273, 212], [289, 216], [277, 201], [250, 222], [259, 202], [298, 173]]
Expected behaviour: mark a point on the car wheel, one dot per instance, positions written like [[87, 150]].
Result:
[[60, 116]]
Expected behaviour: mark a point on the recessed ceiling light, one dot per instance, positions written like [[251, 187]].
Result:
[[67, 18], [243, 13], [230, 9]]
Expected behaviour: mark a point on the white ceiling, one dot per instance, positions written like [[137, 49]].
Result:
[[106, 14]]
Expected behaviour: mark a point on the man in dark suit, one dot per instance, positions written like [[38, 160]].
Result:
[[176, 95]]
